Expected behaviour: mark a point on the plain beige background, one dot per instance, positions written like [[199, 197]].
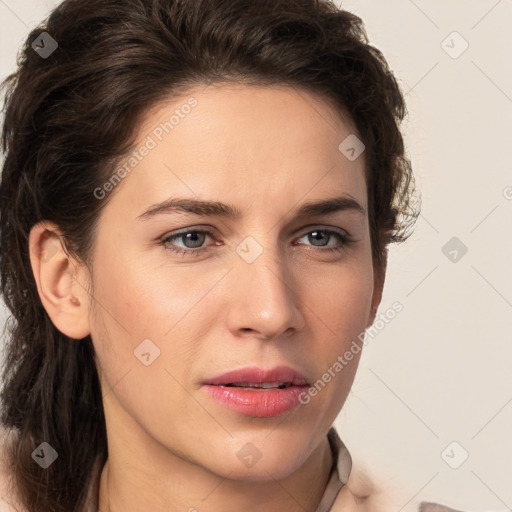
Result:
[[431, 408]]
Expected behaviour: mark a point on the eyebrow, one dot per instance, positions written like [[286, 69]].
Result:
[[218, 209]]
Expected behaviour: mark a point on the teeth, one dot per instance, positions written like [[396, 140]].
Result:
[[266, 385], [263, 385]]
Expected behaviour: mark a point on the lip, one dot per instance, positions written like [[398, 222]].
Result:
[[255, 375], [257, 402]]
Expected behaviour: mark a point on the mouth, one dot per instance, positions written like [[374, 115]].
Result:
[[258, 392]]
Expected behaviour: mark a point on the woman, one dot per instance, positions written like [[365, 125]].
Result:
[[173, 171]]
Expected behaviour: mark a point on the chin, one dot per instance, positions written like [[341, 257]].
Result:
[[263, 458]]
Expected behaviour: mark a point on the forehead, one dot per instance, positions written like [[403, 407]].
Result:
[[251, 145]]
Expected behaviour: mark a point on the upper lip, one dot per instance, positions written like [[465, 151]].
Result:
[[256, 375]]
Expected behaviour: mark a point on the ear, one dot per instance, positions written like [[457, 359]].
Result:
[[62, 282], [379, 276]]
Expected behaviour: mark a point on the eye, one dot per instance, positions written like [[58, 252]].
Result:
[[319, 238], [192, 239]]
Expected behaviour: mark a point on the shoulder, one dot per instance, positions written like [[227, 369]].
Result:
[[366, 491], [7, 494], [362, 494]]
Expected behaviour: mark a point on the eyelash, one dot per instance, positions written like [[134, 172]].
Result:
[[345, 239]]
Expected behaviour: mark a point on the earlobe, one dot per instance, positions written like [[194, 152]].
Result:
[[60, 280]]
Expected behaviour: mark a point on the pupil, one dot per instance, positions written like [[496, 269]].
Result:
[[314, 236], [192, 236]]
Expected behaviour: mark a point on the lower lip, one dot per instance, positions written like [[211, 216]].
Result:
[[262, 403]]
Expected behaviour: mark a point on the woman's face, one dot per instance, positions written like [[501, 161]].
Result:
[[262, 289]]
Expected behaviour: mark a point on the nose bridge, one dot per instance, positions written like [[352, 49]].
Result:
[[265, 298]]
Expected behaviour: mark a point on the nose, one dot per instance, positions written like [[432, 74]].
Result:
[[266, 301]]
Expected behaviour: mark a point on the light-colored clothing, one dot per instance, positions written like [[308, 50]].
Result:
[[354, 492]]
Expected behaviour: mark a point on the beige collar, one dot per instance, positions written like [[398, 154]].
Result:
[[340, 472]]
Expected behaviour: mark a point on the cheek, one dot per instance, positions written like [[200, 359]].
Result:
[[139, 300], [342, 297], [144, 295], [145, 334], [341, 303]]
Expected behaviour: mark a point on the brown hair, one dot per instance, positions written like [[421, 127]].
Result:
[[71, 114]]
